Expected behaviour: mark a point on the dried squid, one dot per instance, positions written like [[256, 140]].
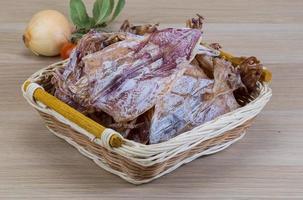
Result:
[[67, 80], [195, 99], [151, 86], [126, 78]]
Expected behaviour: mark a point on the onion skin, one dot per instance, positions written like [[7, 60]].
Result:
[[47, 32]]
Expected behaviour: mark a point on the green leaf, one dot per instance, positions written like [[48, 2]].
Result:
[[111, 8], [76, 37], [118, 9], [92, 22], [101, 10], [78, 14]]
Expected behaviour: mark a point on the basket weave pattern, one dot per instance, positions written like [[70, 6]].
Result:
[[138, 163]]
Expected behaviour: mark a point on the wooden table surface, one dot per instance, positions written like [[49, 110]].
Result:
[[267, 163]]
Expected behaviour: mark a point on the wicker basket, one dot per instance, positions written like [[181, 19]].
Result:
[[134, 162]]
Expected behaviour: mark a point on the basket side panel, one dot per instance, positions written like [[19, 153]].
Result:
[[134, 171]]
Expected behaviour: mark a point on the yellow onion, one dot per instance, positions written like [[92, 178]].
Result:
[[47, 32]]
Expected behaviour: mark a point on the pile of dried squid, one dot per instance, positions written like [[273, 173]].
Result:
[[151, 85]]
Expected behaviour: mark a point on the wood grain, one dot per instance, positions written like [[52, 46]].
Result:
[[266, 164]]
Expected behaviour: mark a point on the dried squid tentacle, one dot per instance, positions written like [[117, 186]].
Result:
[[251, 71], [196, 23], [139, 29]]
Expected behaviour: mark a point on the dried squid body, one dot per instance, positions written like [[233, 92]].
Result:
[[70, 85], [126, 78], [193, 100], [173, 111]]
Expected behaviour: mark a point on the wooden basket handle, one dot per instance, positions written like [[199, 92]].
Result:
[[73, 115]]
